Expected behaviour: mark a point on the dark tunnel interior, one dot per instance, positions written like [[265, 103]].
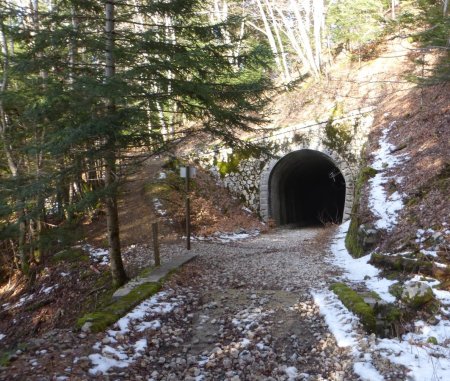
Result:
[[306, 189]]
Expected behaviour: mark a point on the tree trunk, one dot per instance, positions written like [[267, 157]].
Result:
[[112, 218], [293, 40], [319, 22], [286, 73], [304, 38], [269, 35]]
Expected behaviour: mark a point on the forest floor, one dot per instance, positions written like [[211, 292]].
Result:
[[240, 311], [249, 309]]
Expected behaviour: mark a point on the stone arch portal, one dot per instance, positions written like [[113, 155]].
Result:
[[306, 188]]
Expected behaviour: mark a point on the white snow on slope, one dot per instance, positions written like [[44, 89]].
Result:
[[48, 290], [384, 207], [99, 256], [343, 325], [224, 237], [125, 344], [425, 361], [159, 207], [359, 270]]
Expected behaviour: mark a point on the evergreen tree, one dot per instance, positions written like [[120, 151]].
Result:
[[90, 81]]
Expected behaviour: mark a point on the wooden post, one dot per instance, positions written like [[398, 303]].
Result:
[[188, 210], [156, 244]]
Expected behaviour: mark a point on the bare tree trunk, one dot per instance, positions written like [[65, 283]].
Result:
[[112, 218], [37, 226], [73, 51], [319, 23], [304, 38], [293, 40], [269, 34], [286, 73], [445, 8]]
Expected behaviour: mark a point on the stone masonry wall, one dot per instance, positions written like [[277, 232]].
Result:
[[248, 177]]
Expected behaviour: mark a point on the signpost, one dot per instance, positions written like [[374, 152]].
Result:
[[188, 172]]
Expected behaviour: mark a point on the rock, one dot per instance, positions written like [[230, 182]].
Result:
[[415, 294], [234, 353], [227, 363], [368, 237], [86, 328]]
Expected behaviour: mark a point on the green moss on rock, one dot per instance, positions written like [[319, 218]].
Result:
[[99, 320], [400, 263], [352, 241], [417, 295], [355, 303], [237, 156], [71, 255]]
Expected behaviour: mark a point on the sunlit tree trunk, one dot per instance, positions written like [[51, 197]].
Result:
[[111, 182], [269, 34], [304, 38], [286, 73], [319, 24]]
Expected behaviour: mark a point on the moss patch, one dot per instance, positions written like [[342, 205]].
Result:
[[6, 356], [352, 241], [378, 317], [114, 310], [71, 255], [237, 156], [355, 303], [399, 263]]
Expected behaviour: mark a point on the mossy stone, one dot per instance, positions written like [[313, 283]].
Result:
[[417, 294], [99, 320], [355, 303], [71, 255], [353, 241]]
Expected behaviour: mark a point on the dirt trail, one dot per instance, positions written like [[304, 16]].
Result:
[[240, 311]]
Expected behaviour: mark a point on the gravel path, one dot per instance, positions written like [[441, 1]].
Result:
[[240, 311]]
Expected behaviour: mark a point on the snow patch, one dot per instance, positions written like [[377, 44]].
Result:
[[386, 208], [23, 300], [340, 321], [359, 270], [2, 336], [48, 290], [423, 359], [343, 325], [159, 207], [224, 237], [140, 319], [98, 256]]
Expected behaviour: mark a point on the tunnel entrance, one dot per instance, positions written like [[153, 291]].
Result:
[[306, 189]]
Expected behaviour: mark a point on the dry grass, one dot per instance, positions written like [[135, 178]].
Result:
[[213, 208]]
